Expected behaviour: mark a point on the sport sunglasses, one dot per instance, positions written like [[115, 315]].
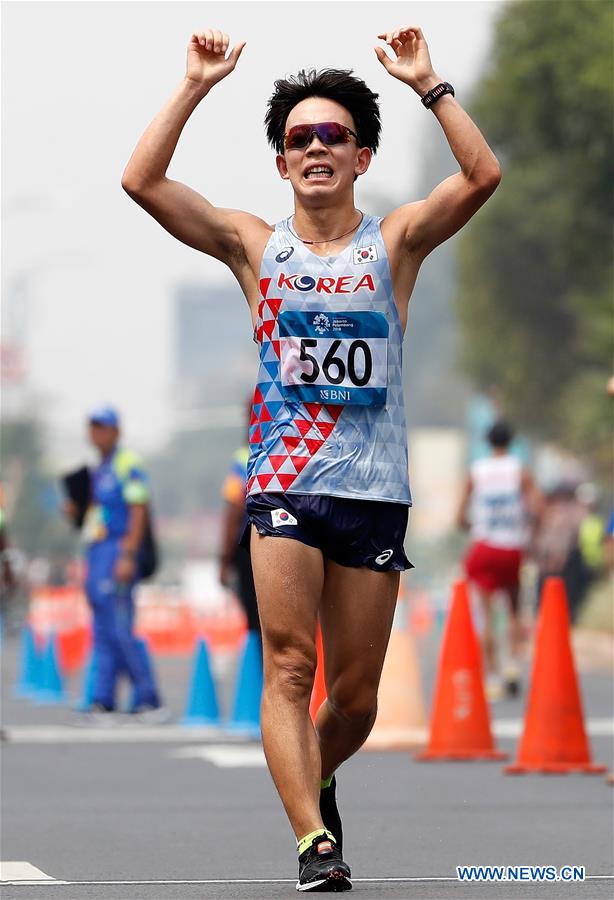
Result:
[[330, 133]]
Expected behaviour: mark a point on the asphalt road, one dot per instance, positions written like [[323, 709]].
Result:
[[138, 816]]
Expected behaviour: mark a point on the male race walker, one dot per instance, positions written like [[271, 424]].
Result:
[[500, 505], [328, 491]]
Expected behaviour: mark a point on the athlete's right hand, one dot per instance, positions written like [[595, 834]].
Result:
[[207, 62]]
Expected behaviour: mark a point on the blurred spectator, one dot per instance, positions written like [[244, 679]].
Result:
[[8, 580], [499, 498], [235, 562], [114, 529], [570, 542], [608, 543], [590, 549]]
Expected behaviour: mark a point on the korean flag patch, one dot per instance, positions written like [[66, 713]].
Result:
[[280, 517], [365, 254]]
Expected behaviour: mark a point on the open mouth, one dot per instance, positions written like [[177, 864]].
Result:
[[316, 172]]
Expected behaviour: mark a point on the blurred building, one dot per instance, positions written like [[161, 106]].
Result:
[[214, 357], [437, 458]]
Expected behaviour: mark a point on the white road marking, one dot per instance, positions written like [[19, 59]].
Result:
[[511, 728], [177, 734], [226, 756], [409, 880], [24, 873], [120, 734]]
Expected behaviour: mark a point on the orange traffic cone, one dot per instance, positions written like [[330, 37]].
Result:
[[401, 718], [460, 726], [554, 739], [318, 693]]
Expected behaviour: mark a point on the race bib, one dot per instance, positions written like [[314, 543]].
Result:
[[334, 357]]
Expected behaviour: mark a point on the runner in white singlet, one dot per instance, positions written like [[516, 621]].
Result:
[[328, 291], [499, 504]]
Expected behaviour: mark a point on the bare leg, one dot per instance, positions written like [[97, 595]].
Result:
[[515, 636], [489, 645], [289, 577], [356, 617]]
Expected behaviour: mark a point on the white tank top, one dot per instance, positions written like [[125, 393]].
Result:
[[497, 512]]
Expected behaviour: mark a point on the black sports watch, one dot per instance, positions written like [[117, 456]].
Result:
[[436, 93]]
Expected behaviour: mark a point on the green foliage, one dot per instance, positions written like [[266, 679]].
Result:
[[535, 266]]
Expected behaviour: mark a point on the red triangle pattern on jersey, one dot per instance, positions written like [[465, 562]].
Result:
[[299, 462], [325, 429], [313, 446], [269, 326], [286, 481], [264, 479], [265, 415], [303, 426], [318, 421], [313, 409], [274, 305], [291, 443]]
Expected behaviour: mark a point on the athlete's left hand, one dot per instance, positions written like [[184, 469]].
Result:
[[413, 63]]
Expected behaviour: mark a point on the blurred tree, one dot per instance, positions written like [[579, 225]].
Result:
[[35, 523], [535, 266]]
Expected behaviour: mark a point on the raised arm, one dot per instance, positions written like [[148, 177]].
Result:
[[452, 203], [462, 520], [182, 211]]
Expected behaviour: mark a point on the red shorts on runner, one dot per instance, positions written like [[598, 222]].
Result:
[[493, 568]]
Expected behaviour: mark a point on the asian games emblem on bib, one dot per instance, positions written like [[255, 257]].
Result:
[[321, 323]]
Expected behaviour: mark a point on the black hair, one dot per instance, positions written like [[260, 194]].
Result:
[[339, 85], [500, 435]]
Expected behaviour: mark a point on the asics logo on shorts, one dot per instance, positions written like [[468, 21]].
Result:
[[280, 517], [383, 557]]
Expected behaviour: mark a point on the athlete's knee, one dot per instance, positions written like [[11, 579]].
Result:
[[292, 671], [357, 705]]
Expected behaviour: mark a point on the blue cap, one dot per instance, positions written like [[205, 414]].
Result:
[[104, 415]]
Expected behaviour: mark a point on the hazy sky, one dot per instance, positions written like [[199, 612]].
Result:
[[88, 277]]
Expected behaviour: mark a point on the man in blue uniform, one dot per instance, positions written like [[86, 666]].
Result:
[[113, 530], [328, 291]]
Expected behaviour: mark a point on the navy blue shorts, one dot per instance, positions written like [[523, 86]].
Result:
[[349, 532]]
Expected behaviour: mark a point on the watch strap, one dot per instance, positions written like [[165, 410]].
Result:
[[436, 93]]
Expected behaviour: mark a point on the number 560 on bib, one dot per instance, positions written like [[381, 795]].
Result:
[[337, 358]]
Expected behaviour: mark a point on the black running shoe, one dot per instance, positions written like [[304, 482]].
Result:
[[330, 813], [321, 868]]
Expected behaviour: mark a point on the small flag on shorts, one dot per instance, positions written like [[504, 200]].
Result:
[[281, 517]]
